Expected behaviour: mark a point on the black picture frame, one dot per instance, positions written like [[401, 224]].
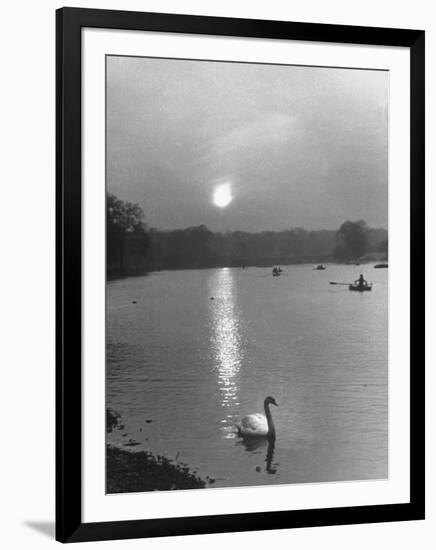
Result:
[[69, 22]]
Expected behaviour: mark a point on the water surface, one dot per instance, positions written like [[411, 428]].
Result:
[[182, 368]]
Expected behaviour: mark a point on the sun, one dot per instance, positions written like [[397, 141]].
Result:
[[222, 195]]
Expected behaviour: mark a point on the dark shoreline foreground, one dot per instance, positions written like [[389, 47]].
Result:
[[139, 471]]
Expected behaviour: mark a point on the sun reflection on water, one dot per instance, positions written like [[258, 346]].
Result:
[[226, 345]]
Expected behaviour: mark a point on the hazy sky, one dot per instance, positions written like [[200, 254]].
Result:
[[297, 146]]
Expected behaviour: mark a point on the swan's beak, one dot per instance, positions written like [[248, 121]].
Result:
[[275, 403]]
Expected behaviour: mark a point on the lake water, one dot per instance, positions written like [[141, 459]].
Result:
[[183, 368]]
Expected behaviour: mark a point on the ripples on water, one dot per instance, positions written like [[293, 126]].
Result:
[[202, 348]]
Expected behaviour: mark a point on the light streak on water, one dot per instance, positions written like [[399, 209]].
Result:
[[226, 344]]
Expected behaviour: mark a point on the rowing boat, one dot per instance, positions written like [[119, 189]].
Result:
[[359, 288]]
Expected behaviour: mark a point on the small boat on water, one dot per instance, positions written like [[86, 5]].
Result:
[[381, 266], [320, 267], [360, 288], [276, 271], [360, 285]]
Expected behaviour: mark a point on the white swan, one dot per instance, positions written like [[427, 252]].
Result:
[[258, 425]]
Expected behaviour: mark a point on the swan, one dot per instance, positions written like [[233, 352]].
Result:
[[259, 425]]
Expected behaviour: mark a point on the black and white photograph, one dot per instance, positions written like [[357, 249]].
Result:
[[247, 274]]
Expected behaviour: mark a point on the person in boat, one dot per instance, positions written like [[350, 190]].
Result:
[[360, 282]]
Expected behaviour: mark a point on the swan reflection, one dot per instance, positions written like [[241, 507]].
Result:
[[226, 344], [258, 444]]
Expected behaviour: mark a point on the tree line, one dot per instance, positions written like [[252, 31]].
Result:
[[132, 247]]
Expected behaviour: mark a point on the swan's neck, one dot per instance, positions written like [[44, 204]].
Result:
[[271, 428]]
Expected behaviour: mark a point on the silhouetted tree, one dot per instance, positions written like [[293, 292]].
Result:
[[123, 219], [352, 240]]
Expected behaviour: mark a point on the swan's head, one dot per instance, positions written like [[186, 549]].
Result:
[[271, 401]]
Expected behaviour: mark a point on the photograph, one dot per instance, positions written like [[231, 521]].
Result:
[[246, 274]]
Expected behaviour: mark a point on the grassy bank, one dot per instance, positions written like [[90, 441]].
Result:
[[129, 471]]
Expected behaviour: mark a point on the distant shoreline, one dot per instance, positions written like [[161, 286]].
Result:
[[313, 261]]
